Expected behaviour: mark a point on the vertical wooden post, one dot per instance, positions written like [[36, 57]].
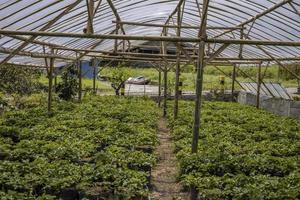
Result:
[[164, 50], [165, 90], [241, 46], [90, 9], [116, 40], [55, 81], [199, 86], [258, 86], [199, 80], [79, 81], [159, 87], [198, 102], [233, 82], [177, 64], [50, 79], [94, 76]]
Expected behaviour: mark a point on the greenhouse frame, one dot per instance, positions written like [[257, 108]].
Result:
[[48, 34]]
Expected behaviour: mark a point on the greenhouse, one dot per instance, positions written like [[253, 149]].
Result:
[[149, 99]]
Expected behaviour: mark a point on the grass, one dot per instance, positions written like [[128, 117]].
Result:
[[188, 77], [103, 87], [211, 76]]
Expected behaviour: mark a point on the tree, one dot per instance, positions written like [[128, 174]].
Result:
[[118, 78], [18, 80], [67, 89]]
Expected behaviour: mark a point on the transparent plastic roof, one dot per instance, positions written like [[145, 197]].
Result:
[[282, 24]]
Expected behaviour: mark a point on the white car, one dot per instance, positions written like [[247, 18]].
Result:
[[139, 80]]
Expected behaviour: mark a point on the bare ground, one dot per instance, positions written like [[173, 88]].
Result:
[[164, 176]]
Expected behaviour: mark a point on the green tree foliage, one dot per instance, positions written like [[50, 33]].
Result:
[[118, 77], [67, 89], [18, 80], [284, 74]]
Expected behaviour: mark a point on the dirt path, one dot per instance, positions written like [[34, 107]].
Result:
[[164, 183]]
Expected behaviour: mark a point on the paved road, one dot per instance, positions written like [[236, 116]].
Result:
[[152, 90], [131, 89]]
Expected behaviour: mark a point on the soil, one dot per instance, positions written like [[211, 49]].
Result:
[[165, 185]]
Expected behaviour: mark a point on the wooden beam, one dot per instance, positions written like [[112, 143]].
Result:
[[34, 66], [153, 38], [79, 65], [164, 51], [94, 75], [173, 26], [50, 83], [118, 18], [177, 73], [159, 87], [265, 59], [233, 82], [278, 62], [90, 11], [44, 28], [36, 55], [217, 53], [258, 87], [199, 86]]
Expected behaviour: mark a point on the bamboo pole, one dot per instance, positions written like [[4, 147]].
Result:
[[165, 91], [173, 26], [128, 59], [44, 28], [79, 63], [94, 76], [50, 82], [233, 82], [90, 11], [258, 86], [153, 38], [177, 73], [164, 51], [55, 82], [36, 55], [159, 87], [199, 86], [174, 56]]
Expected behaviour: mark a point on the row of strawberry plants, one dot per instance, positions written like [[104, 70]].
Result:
[[99, 149], [243, 153]]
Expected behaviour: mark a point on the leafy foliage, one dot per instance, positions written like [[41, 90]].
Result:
[[243, 153], [18, 80], [99, 149], [118, 77], [68, 88]]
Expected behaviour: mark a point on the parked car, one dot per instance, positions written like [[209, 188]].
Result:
[[139, 80]]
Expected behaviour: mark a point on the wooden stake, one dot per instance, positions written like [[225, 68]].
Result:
[[199, 86], [159, 87], [50, 82], [94, 76], [79, 81], [164, 51], [177, 75], [258, 86], [233, 82], [165, 90]]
